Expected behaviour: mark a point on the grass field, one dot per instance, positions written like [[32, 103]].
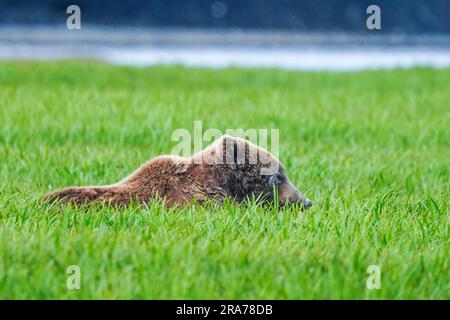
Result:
[[371, 150]]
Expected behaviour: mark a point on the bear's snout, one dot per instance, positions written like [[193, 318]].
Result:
[[307, 203], [299, 198], [290, 195]]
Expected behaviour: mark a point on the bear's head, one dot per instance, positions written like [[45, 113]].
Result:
[[247, 170]]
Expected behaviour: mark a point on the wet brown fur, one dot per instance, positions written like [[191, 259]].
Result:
[[216, 173]]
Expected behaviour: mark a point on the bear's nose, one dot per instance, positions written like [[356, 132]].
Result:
[[307, 203]]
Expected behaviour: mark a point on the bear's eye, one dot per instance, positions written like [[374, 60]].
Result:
[[274, 180]]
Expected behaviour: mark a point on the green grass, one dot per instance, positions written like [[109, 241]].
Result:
[[371, 149]]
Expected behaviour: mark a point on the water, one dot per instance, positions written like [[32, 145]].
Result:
[[214, 49], [320, 58]]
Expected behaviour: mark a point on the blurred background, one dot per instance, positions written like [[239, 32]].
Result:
[[291, 34]]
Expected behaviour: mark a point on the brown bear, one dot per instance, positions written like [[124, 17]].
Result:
[[229, 168]]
